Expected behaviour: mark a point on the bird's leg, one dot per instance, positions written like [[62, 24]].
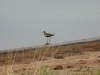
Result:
[[47, 39]]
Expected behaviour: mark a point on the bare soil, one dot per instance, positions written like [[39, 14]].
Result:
[[60, 60]]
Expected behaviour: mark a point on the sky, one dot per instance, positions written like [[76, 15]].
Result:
[[23, 21]]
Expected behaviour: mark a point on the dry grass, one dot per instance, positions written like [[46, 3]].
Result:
[[81, 57]]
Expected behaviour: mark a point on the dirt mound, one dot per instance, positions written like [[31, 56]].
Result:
[[82, 62], [96, 61], [98, 56], [58, 57], [59, 67]]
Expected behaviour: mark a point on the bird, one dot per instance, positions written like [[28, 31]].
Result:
[[48, 35]]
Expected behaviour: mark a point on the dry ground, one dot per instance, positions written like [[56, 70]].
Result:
[[60, 60]]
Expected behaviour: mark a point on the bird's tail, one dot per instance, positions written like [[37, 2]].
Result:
[[53, 34]]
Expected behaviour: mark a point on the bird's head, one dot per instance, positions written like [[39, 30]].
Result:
[[44, 32]]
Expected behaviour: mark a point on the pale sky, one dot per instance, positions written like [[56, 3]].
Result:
[[22, 21]]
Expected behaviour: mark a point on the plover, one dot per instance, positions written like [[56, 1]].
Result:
[[47, 35]]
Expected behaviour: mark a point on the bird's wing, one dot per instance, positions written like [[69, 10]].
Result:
[[52, 34]]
